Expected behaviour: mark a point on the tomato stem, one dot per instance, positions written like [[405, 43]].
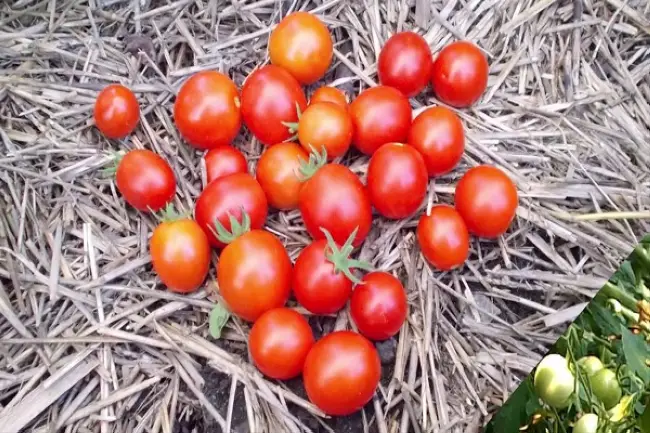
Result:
[[316, 161], [340, 257], [237, 228], [116, 158]]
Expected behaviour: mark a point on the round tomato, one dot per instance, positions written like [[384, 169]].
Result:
[[145, 180], [437, 133], [207, 111], [443, 238], [227, 197], [380, 115], [405, 63], [341, 373], [279, 342], [460, 74], [590, 365], [254, 274], [116, 111], [180, 254], [605, 386], [487, 200], [325, 125], [224, 160], [397, 180], [553, 381], [587, 423], [330, 94], [378, 305], [301, 44], [278, 171]]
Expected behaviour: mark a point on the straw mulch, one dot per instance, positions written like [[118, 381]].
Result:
[[91, 342]]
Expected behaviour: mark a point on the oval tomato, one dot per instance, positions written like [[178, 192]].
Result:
[[378, 305], [460, 74], [222, 161], [380, 115], [330, 94], [443, 238], [301, 44], [279, 342], [325, 125], [116, 111], [268, 101], [278, 171], [606, 388], [397, 180], [206, 111], [487, 200], [341, 373], [145, 180], [553, 381], [405, 63], [437, 133]]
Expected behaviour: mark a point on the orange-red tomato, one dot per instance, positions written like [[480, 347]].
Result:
[[145, 180], [224, 160], [328, 125], [405, 63], [116, 111], [437, 133], [443, 238], [207, 111], [487, 200], [278, 172], [301, 44], [460, 74], [279, 342], [330, 94]]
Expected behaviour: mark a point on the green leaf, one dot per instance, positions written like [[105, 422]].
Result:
[[218, 318], [516, 411], [636, 352], [644, 420]]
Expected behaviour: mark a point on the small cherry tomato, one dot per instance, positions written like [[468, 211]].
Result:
[[587, 423], [117, 111], [553, 381], [605, 386], [145, 180], [443, 238], [224, 160], [325, 125], [278, 171], [460, 74], [378, 305], [279, 342], [330, 94], [405, 63]]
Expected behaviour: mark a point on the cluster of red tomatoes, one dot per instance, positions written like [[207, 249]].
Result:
[[297, 171]]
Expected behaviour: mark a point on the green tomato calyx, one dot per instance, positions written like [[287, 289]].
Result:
[[340, 257]]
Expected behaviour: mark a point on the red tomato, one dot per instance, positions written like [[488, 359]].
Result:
[[207, 111], [224, 160], [228, 196], [116, 111], [279, 342], [397, 180], [268, 101], [460, 74], [437, 133], [180, 254], [487, 200], [328, 125], [278, 172], [380, 115], [254, 274], [443, 238], [378, 305], [341, 373], [405, 63], [302, 45], [145, 180], [330, 94]]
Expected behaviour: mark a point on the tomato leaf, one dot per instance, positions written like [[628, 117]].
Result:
[[218, 318], [636, 353], [644, 420], [516, 411]]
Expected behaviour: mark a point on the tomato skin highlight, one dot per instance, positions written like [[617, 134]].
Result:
[[341, 373], [438, 134], [180, 255], [553, 381], [222, 161], [379, 306], [278, 174], [460, 74], [443, 238], [279, 342], [116, 111], [405, 63], [268, 98], [145, 180], [330, 94], [587, 423], [325, 125], [254, 274], [206, 110]]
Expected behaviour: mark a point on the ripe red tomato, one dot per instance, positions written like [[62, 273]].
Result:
[[329, 94], [254, 274], [405, 63], [116, 111], [268, 101], [180, 254], [145, 180], [228, 196], [224, 160], [328, 125], [487, 200], [341, 373], [301, 44], [397, 180], [278, 172], [207, 111], [279, 342], [443, 238], [380, 115], [460, 74], [437, 133], [378, 305]]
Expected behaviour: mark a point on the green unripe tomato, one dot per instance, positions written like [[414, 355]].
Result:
[[606, 388], [554, 382], [586, 424], [590, 365]]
